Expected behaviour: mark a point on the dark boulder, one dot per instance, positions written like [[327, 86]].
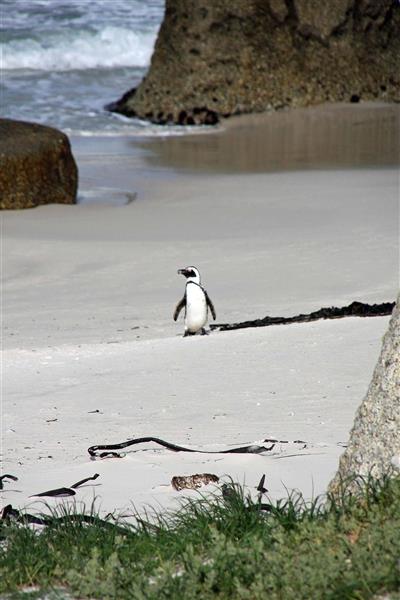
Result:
[[36, 166], [220, 57]]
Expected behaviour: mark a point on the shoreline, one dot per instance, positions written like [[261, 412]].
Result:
[[328, 137]]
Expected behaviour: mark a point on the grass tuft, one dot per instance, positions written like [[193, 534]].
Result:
[[220, 547]]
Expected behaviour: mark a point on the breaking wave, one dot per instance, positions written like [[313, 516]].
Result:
[[108, 47]]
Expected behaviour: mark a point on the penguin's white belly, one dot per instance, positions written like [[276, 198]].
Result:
[[196, 308]]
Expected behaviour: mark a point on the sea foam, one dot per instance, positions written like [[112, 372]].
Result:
[[80, 49]]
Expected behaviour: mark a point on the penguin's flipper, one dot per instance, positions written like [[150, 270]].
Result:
[[181, 304], [210, 306]]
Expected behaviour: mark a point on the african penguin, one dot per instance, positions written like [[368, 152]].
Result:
[[196, 303]]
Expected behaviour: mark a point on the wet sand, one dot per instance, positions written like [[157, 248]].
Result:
[[333, 136]]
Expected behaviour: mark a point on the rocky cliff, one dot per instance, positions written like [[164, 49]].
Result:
[[224, 57]]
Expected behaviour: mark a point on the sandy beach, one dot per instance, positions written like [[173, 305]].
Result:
[[276, 228]]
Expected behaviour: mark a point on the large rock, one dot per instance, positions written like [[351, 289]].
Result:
[[221, 57], [36, 166], [374, 446]]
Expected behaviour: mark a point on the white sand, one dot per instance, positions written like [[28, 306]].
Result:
[[88, 298], [228, 389]]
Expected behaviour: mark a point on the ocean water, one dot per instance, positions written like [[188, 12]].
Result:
[[62, 61]]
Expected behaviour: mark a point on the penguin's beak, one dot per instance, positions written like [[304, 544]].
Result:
[[182, 272]]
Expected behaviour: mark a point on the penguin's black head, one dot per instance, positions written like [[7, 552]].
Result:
[[190, 273]]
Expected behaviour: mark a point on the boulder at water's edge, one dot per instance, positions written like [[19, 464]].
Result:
[[36, 166], [221, 57]]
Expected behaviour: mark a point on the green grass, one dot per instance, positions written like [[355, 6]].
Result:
[[218, 548]]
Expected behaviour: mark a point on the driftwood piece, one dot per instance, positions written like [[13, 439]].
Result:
[[82, 481], [66, 491], [110, 448], [11, 514]]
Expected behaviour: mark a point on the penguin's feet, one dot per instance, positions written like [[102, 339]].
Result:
[[188, 333], [203, 331]]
